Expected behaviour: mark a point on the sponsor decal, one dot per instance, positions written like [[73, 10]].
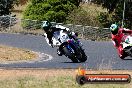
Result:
[[83, 78]]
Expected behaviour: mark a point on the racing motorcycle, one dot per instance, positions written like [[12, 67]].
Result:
[[67, 46], [127, 45]]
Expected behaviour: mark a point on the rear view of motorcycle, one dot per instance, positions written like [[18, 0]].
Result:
[[68, 47]]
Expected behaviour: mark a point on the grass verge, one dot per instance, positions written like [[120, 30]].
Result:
[[15, 54], [24, 31], [52, 78]]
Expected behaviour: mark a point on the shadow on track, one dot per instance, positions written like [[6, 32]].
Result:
[[129, 58], [73, 62]]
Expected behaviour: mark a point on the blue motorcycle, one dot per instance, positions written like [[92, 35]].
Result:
[[68, 46], [71, 48]]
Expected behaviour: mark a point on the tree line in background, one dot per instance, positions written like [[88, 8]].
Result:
[[115, 12], [6, 6], [69, 11], [52, 10]]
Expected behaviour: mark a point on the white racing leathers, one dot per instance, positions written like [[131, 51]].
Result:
[[59, 36]]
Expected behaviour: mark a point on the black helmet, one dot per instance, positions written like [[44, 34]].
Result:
[[46, 25]]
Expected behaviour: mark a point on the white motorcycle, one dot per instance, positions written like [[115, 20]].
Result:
[[127, 45], [67, 46]]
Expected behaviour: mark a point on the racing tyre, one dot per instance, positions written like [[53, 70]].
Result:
[[82, 56], [70, 55]]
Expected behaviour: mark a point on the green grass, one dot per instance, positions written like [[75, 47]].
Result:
[[53, 82], [93, 12], [93, 9]]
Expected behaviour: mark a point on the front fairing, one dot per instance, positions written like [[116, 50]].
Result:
[[73, 44], [127, 42]]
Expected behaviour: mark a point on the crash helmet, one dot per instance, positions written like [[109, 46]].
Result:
[[46, 25], [114, 29]]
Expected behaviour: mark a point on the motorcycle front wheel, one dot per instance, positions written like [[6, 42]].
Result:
[[82, 56], [70, 55]]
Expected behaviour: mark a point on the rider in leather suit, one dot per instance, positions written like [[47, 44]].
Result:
[[50, 29], [117, 34]]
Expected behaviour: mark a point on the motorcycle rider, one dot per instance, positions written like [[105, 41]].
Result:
[[50, 29], [117, 34]]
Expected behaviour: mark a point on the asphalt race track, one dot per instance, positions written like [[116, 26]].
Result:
[[101, 55]]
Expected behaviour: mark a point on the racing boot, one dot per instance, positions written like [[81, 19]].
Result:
[[51, 43], [123, 55], [59, 53]]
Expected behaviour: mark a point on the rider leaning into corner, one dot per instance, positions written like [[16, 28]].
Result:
[[50, 29], [117, 34]]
